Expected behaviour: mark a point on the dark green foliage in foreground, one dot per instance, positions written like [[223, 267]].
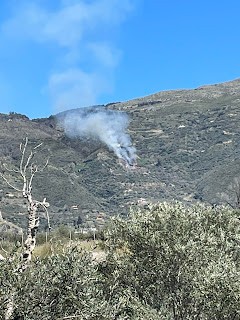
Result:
[[164, 262], [182, 261], [57, 286]]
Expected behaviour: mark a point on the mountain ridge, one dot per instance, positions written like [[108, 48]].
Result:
[[187, 142]]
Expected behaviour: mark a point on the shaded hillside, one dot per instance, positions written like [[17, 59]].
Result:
[[188, 147]]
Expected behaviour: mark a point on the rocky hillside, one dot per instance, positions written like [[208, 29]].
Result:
[[188, 149]]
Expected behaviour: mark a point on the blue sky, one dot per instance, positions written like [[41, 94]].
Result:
[[60, 54]]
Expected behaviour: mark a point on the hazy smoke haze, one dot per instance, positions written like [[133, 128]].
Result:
[[110, 127]]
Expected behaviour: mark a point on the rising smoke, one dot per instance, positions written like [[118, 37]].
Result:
[[108, 126]]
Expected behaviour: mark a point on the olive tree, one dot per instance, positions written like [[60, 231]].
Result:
[[166, 261], [181, 261]]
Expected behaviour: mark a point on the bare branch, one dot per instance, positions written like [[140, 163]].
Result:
[[10, 170], [45, 165], [27, 162], [23, 150], [10, 185], [21, 147], [29, 187], [45, 205], [39, 145]]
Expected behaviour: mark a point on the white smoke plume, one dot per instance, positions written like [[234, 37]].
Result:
[[108, 126]]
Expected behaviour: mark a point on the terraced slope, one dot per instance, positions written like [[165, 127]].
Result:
[[187, 143]]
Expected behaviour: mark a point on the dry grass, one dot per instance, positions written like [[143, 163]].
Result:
[[60, 247], [54, 247]]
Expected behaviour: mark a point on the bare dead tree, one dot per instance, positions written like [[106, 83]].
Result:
[[26, 171]]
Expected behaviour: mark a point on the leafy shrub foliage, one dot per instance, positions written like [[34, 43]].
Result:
[[184, 262], [163, 262]]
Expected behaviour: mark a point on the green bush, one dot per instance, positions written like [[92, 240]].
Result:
[[164, 262], [61, 286], [55, 287], [183, 262]]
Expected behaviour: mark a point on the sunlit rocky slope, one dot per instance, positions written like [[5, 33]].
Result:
[[187, 144]]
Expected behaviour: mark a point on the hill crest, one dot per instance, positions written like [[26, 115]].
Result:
[[187, 142]]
